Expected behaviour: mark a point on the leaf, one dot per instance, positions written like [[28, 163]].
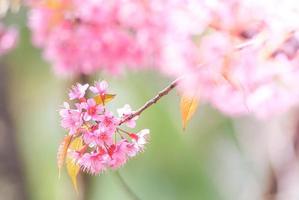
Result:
[[62, 152], [72, 168], [107, 97], [188, 106]]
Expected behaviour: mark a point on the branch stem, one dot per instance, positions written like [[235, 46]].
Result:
[[152, 101]]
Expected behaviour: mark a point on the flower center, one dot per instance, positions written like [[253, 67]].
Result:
[[92, 110]]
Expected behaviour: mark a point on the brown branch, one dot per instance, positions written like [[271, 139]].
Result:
[[152, 101]]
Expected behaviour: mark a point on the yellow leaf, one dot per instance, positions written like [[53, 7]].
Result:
[[103, 100], [72, 168], [188, 106], [62, 151]]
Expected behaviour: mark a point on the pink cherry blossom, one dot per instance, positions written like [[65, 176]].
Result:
[[104, 143], [96, 35], [108, 120], [118, 156], [93, 111], [71, 119], [131, 149], [8, 38], [105, 136], [94, 162], [90, 138], [125, 112], [100, 88], [140, 139], [246, 61], [78, 91]]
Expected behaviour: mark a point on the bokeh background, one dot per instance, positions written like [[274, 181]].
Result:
[[215, 158]]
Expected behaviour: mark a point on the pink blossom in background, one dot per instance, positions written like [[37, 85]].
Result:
[[95, 35], [8, 38], [247, 61], [110, 36], [105, 143], [241, 56]]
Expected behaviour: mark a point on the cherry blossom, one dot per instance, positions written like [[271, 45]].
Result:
[[105, 144], [93, 111], [8, 38], [78, 91], [247, 60], [125, 112], [99, 88]]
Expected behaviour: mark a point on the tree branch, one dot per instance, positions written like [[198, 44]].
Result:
[[152, 101]]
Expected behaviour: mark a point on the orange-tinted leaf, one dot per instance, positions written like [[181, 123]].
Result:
[[188, 106], [72, 168], [103, 100], [62, 151]]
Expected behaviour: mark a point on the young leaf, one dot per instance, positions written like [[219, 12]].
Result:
[[103, 100], [188, 106], [62, 151], [72, 168]]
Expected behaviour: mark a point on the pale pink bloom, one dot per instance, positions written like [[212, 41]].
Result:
[[131, 149], [104, 136], [108, 120], [71, 119], [100, 88], [8, 38], [78, 91], [140, 139], [118, 155], [247, 61], [93, 111], [94, 162], [125, 112], [111, 36], [90, 138], [99, 137]]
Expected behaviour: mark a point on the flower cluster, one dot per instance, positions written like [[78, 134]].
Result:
[[104, 143], [99, 35], [8, 38], [242, 54], [246, 60]]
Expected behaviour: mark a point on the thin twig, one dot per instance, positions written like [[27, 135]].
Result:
[[126, 186], [152, 101]]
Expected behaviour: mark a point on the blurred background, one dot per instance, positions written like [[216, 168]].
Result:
[[215, 158]]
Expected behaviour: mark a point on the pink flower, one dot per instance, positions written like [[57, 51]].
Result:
[[99, 88], [8, 38], [98, 137], [125, 112], [131, 149], [78, 91], [71, 119], [108, 120], [94, 162], [90, 138], [104, 144], [118, 156], [104, 136], [140, 139], [93, 111]]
